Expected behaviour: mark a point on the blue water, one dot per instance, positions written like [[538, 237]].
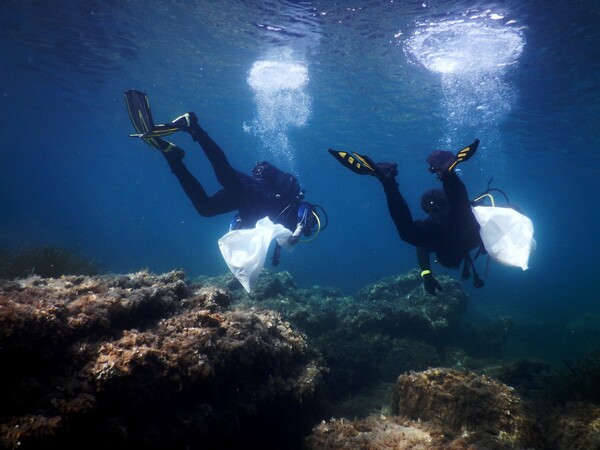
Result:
[[284, 81]]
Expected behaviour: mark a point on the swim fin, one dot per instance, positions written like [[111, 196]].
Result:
[[185, 122], [360, 164], [464, 154], [138, 108], [160, 130]]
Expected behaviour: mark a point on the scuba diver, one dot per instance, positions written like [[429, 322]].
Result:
[[267, 192], [450, 230]]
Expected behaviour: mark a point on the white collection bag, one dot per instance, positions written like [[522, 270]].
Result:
[[507, 235], [245, 251]]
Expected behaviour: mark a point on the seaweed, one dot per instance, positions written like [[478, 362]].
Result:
[[46, 261], [577, 381]]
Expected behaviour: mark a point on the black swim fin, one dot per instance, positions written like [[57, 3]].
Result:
[[360, 164], [465, 154], [141, 117], [138, 107], [160, 130]]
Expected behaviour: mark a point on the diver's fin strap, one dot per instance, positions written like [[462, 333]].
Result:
[[356, 163], [465, 154], [161, 130]]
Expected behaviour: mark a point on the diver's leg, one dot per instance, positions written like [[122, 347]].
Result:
[[220, 203], [400, 214], [226, 175]]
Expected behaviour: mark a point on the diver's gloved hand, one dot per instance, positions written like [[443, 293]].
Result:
[[295, 237], [440, 161], [363, 165], [386, 170], [444, 161], [431, 284]]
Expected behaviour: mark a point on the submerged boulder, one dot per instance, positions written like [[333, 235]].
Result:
[[387, 328], [376, 432], [436, 409], [400, 304], [464, 403], [148, 361], [575, 426]]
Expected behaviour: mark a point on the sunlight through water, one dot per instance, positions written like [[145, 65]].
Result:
[[279, 87], [471, 54]]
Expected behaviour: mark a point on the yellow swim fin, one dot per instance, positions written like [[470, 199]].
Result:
[[465, 154], [360, 164]]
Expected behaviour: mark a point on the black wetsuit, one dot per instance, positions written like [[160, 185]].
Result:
[[248, 195], [450, 233]]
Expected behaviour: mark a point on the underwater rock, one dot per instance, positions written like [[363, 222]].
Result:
[[141, 360], [45, 261], [399, 304], [575, 381], [570, 411], [387, 328], [384, 432], [154, 361], [574, 427], [377, 432], [582, 335], [464, 404], [270, 285], [273, 285], [356, 361], [395, 306], [436, 409], [529, 377], [486, 338]]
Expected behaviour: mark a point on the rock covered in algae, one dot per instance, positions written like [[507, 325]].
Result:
[[575, 426], [147, 361], [435, 409], [405, 304], [387, 328], [465, 403], [376, 432], [397, 306]]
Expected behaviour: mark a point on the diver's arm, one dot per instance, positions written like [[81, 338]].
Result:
[[455, 191], [423, 258], [410, 231], [430, 283]]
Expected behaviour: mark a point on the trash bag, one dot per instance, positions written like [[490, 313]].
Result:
[[507, 235], [245, 251]]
